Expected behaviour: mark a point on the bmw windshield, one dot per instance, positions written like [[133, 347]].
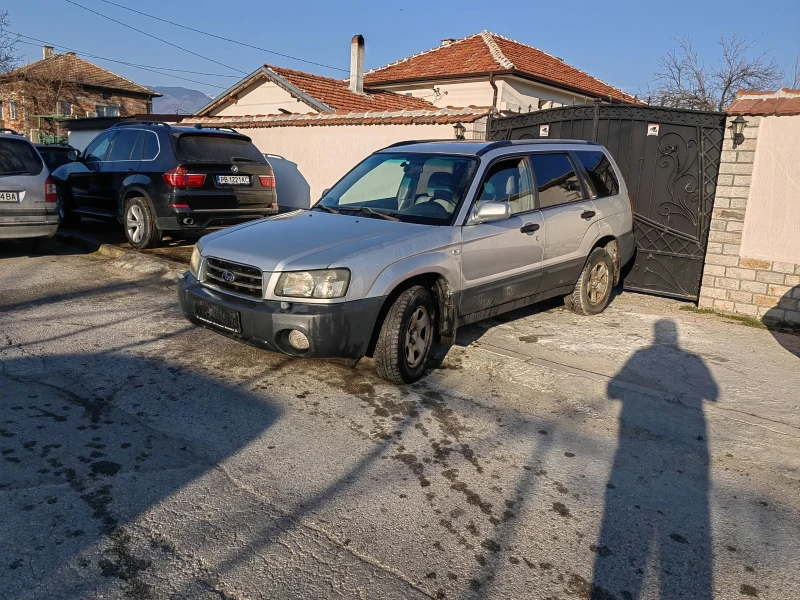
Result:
[[410, 187]]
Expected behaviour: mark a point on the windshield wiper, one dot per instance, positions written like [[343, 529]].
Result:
[[325, 208], [368, 211]]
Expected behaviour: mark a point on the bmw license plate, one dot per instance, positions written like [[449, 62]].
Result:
[[233, 179], [9, 197], [218, 316]]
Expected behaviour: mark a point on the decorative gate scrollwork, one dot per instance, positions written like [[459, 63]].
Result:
[[672, 179]]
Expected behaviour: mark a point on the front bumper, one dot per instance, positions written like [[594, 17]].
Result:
[[340, 330]]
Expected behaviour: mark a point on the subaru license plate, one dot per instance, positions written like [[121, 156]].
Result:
[[218, 316], [233, 179]]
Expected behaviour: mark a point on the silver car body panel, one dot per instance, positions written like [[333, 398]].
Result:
[[30, 216]]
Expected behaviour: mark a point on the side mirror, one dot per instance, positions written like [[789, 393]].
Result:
[[72, 155], [325, 192], [489, 212]]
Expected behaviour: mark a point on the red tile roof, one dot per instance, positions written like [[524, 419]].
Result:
[[69, 67], [784, 102], [337, 94], [433, 116], [486, 52]]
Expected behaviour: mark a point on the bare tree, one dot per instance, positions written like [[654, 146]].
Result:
[[47, 93], [685, 80], [8, 45], [793, 81]]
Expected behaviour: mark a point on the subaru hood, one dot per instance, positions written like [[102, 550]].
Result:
[[304, 240]]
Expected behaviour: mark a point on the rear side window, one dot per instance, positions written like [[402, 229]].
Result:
[[600, 172], [556, 180], [19, 157], [216, 148], [124, 145], [150, 145]]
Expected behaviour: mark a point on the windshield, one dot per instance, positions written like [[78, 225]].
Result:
[[417, 188]]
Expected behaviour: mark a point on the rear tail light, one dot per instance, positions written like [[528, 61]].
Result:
[[50, 191], [267, 181], [179, 178]]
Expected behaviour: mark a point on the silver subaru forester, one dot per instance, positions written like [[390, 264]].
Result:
[[419, 238]]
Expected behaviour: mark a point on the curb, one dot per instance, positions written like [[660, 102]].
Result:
[[87, 243]]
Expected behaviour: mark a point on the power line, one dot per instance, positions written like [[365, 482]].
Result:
[[142, 67], [219, 37], [156, 37]]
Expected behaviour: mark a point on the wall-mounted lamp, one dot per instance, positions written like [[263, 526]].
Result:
[[460, 130], [737, 129]]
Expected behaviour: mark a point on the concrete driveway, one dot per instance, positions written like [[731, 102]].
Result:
[[644, 453]]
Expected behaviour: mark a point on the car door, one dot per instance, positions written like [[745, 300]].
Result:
[[501, 261], [123, 161], [83, 181], [568, 217]]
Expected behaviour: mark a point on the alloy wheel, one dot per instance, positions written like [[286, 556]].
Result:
[[134, 223], [418, 337], [598, 283]]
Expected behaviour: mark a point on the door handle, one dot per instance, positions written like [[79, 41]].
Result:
[[529, 228], [588, 214]]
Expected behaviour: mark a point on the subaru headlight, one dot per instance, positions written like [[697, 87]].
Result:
[[194, 263], [330, 283]]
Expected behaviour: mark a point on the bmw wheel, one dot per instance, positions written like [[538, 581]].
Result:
[[140, 226]]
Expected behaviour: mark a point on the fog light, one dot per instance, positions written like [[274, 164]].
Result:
[[298, 340]]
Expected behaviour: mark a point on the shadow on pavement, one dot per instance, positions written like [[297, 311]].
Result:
[[656, 530], [777, 318], [90, 442]]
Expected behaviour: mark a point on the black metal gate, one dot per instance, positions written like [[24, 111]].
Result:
[[670, 160]]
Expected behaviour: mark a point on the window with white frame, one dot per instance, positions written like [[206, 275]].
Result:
[[2, 111], [12, 110], [107, 111]]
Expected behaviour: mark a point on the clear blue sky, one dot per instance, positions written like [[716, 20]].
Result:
[[618, 42]]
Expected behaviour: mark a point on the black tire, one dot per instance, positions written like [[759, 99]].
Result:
[[593, 290], [140, 225], [398, 355], [69, 218], [44, 245]]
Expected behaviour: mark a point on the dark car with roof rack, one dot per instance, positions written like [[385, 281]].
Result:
[[155, 177]]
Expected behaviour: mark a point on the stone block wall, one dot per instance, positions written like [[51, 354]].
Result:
[[733, 283]]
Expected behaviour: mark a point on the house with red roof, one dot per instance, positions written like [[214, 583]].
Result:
[[317, 128]]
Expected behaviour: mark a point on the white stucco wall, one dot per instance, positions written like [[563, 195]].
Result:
[[262, 98], [453, 93], [308, 160], [772, 220], [81, 139]]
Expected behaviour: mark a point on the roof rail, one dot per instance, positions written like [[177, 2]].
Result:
[[126, 123], [7, 130], [410, 142], [492, 146]]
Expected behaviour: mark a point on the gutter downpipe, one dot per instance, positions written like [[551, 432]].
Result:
[[494, 105]]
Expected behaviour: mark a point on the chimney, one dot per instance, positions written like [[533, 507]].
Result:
[[448, 41], [357, 64], [47, 51]]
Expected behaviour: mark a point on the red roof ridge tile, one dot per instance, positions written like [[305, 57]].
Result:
[[424, 52]]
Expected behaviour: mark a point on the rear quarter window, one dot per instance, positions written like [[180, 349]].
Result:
[[600, 172], [19, 157], [216, 148]]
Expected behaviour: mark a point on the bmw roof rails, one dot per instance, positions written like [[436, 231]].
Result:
[[126, 123], [7, 130]]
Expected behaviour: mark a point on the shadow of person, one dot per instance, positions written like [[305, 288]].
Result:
[[784, 321], [655, 538]]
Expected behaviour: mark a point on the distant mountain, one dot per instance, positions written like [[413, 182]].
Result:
[[178, 100]]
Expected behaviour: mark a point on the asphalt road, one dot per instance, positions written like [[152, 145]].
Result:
[[644, 453]]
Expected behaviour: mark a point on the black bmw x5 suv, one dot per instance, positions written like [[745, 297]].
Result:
[[155, 177]]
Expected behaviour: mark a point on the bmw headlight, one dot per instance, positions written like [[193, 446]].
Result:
[[331, 283], [194, 263]]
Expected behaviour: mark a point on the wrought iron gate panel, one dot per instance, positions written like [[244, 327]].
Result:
[[671, 176]]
